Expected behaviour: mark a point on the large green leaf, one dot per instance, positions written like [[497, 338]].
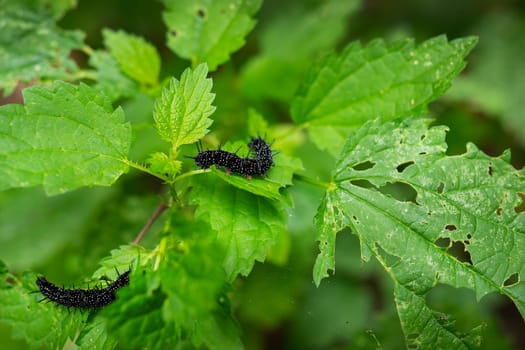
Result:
[[376, 81], [181, 113], [32, 47], [208, 31], [64, 137], [471, 202], [247, 225]]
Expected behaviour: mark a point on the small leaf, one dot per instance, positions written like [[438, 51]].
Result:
[[160, 163], [127, 257], [208, 31], [137, 58], [95, 336], [181, 113], [377, 81], [32, 47], [64, 137], [247, 225]]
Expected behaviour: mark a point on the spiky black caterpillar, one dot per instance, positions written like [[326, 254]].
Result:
[[82, 298], [256, 166]]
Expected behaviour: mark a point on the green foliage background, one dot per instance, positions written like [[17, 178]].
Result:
[[393, 216]]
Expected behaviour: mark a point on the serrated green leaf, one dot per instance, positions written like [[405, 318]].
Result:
[[135, 318], [95, 336], [41, 325], [64, 137], [378, 81], [136, 57], [208, 31], [181, 113], [109, 78], [32, 47], [127, 257], [247, 225], [160, 163], [471, 200], [425, 330]]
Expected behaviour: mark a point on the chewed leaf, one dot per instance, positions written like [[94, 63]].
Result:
[[181, 113], [64, 137], [471, 202]]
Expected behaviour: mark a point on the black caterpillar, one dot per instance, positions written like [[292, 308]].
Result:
[[82, 298], [256, 166]]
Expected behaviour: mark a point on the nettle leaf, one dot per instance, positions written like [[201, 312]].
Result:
[[95, 336], [378, 80], [426, 329], [194, 285], [41, 325], [136, 319], [413, 208], [208, 31], [32, 47], [136, 57], [181, 113], [247, 225], [64, 137], [127, 257]]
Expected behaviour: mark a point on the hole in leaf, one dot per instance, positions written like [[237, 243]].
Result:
[[440, 188], [490, 170], [469, 236], [389, 259], [401, 167], [520, 208], [173, 33], [458, 251], [512, 280], [424, 136], [399, 191], [451, 227], [442, 242], [201, 13], [362, 183], [498, 211], [364, 166]]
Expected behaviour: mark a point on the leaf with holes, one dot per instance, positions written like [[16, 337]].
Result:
[[427, 217], [208, 31], [64, 137], [378, 80]]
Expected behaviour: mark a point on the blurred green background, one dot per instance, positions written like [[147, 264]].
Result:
[[278, 306]]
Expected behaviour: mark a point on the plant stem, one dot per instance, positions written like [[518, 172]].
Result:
[[160, 209], [191, 173], [146, 170], [312, 181]]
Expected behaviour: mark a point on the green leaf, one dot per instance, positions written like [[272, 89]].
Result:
[[32, 47], [41, 325], [137, 58], [64, 137], [127, 257], [208, 31], [425, 329], [160, 163], [377, 81], [136, 319], [470, 201], [181, 113], [247, 225], [109, 78], [95, 336]]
